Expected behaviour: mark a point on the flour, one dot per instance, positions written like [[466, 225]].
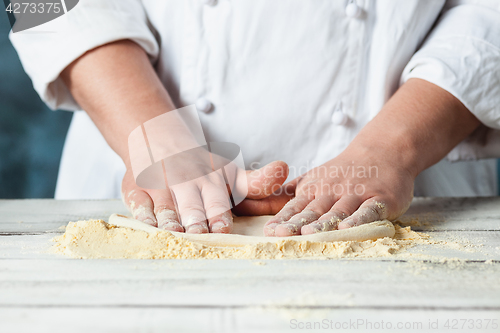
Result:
[[97, 239]]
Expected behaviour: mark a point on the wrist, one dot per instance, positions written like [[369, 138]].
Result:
[[417, 127], [394, 148], [163, 137]]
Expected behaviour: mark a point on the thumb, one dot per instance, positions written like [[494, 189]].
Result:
[[266, 180], [269, 205]]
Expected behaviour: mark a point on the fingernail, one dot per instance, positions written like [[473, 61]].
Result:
[[172, 226], [166, 215], [219, 227], [292, 228], [149, 221], [286, 230], [315, 228], [346, 224], [270, 229], [197, 229]]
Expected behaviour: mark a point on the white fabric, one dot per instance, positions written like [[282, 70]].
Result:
[[462, 56], [275, 71], [90, 169]]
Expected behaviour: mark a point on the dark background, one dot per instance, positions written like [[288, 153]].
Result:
[[31, 135]]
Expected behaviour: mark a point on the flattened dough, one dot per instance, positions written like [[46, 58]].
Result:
[[248, 230]]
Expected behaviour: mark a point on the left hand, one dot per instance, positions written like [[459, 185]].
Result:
[[204, 201], [407, 136], [355, 188], [359, 186]]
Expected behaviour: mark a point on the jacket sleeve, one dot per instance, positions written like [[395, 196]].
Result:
[[462, 55], [46, 50]]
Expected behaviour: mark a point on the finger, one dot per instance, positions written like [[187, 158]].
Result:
[[164, 209], [370, 211], [222, 223], [267, 206], [311, 213], [293, 207], [140, 205], [266, 180], [191, 208], [343, 208], [217, 207], [326, 222]]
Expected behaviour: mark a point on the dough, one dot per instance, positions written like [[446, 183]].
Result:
[[98, 239], [248, 230]]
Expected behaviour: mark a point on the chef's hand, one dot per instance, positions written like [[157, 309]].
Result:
[[118, 87], [197, 200], [355, 188], [416, 128]]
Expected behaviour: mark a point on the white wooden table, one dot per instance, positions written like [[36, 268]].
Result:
[[42, 292]]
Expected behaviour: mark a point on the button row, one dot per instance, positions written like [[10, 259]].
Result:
[[339, 118], [352, 10], [203, 105]]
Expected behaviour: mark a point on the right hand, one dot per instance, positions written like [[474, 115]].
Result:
[[207, 197], [118, 87]]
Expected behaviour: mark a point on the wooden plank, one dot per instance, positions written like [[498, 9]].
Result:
[[425, 214], [231, 320], [47, 216], [27, 247], [233, 283], [44, 292], [482, 213], [465, 245]]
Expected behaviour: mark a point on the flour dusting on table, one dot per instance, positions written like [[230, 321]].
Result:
[[94, 239]]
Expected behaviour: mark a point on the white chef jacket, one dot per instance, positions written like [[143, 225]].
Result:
[[292, 80]]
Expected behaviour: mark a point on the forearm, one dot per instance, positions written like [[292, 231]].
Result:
[[119, 89], [418, 126]]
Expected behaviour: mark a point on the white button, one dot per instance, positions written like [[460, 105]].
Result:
[[203, 105], [209, 2], [352, 10], [339, 118]]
